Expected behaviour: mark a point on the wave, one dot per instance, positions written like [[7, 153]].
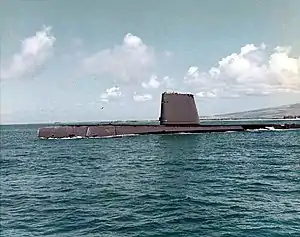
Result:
[[62, 138], [268, 129]]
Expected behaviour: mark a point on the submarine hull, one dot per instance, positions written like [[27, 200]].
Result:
[[118, 130]]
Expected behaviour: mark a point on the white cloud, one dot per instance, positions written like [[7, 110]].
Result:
[[209, 94], [131, 61], [111, 93], [253, 71], [141, 98], [153, 83], [192, 73], [166, 83], [35, 50]]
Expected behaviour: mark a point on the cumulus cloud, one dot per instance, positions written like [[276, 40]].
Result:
[[168, 82], [111, 93], [252, 71], [208, 94], [141, 98], [131, 61], [153, 83], [35, 50]]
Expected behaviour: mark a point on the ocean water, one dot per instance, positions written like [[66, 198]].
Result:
[[216, 184]]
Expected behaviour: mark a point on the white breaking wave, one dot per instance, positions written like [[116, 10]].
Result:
[[63, 138], [257, 130], [268, 129], [72, 138]]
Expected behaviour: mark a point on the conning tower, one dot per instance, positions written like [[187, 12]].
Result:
[[178, 109]]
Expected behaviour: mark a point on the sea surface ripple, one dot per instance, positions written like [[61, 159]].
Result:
[[216, 184]]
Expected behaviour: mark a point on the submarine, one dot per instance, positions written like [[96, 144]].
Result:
[[178, 114]]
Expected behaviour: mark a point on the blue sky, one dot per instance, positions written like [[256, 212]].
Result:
[[64, 60]]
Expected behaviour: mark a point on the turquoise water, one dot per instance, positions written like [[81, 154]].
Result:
[[217, 184]]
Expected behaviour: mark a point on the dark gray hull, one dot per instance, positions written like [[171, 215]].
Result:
[[117, 130]]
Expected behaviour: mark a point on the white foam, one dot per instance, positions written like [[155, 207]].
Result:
[[72, 138], [270, 129], [257, 130], [61, 138]]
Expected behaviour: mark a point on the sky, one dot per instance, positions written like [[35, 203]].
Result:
[[75, 61]]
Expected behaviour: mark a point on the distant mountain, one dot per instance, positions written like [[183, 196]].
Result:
[[267, 113]]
